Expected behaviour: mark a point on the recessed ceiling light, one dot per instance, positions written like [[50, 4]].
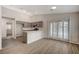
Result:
[[54, 7]]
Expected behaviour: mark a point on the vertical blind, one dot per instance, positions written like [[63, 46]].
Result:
[[59, 29]]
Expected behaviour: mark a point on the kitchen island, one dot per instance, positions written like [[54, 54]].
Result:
[[32, 35]]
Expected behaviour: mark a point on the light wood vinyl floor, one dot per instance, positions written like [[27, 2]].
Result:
[[43, 46]]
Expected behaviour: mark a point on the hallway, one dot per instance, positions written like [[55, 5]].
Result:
[[43, 46]]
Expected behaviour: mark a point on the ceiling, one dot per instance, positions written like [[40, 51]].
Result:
[[45, 9]]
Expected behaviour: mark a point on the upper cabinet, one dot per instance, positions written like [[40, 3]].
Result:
[[37, 24]]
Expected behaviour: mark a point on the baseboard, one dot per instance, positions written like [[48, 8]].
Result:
[[62, 41]]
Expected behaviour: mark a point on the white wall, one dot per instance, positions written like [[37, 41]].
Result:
[[74, 19]]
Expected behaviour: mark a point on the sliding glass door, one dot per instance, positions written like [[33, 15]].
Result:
[[60, 30]]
